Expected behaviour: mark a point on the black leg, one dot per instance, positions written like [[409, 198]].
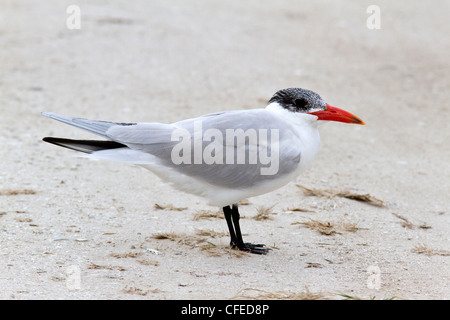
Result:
[[237, 228], [232, 217], [227, 213]]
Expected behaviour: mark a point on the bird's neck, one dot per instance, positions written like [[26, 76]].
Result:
[[305, 127], [294, 118]]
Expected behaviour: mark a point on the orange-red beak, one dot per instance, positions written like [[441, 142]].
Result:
[[336, 114]]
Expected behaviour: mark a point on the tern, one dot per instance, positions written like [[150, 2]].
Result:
[[223, 157]]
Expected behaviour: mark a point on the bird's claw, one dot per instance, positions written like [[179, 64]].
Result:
[[257, 248]]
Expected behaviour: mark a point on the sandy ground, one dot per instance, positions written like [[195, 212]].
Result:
[[71, 228]]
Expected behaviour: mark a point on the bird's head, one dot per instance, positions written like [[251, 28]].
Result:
[[308, 102]]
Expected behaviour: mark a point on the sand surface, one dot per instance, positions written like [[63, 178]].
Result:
[[71, 228]]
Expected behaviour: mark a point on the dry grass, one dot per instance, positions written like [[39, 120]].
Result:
[[329, 228], [299, 210], [407, 224], [220, 250], [163, 236], [168, 207], [134, 290], [350, 297], [14, 192], [263, 213], [424, 226], [148, 262], [126, 255], [313, 265], [210, 233], [423, 249], [191, 241], [96, 266], [202, 240], [23, 219], [325, 228], [206, 214], [257, 294], [366, 198]]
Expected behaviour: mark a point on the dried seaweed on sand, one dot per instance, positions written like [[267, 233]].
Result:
[[367, 198]]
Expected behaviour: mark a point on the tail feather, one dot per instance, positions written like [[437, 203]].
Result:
[[86, 146], [94, 126]]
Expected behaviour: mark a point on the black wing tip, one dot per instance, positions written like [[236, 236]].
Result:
[[57, 141], [86, 146], [52, 140]]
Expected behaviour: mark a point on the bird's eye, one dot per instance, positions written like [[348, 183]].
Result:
[[301, 103]]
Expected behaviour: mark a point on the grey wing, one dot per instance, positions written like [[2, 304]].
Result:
[[230, 164], [274, 148]]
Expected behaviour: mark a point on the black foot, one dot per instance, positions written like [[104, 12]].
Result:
[[232, 218], [253, 248]]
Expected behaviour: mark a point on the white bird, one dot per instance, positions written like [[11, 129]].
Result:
[[223, 157]]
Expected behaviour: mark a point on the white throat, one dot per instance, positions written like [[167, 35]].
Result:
[[295, 118]]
